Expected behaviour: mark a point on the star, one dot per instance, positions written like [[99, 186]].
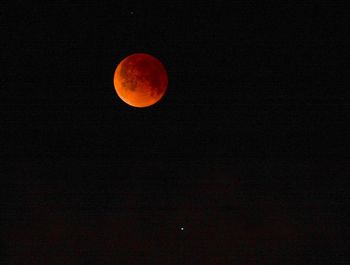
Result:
[[182, 229]]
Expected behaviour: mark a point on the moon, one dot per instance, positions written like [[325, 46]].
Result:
[[140, 80]]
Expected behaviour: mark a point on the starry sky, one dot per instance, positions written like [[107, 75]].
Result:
[[244, 161]]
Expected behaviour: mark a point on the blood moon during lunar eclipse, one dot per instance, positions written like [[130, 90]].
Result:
[[140, 80]]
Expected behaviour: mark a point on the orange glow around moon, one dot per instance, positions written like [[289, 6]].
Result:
[[140, 80]]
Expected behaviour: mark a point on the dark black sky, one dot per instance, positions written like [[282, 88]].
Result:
[[248, 150]]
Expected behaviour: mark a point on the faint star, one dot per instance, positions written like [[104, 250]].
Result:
[[182, 229]]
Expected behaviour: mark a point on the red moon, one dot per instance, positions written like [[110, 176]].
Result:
[[140, 80]]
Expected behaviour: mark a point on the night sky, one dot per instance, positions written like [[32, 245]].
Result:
[[248, 151]]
